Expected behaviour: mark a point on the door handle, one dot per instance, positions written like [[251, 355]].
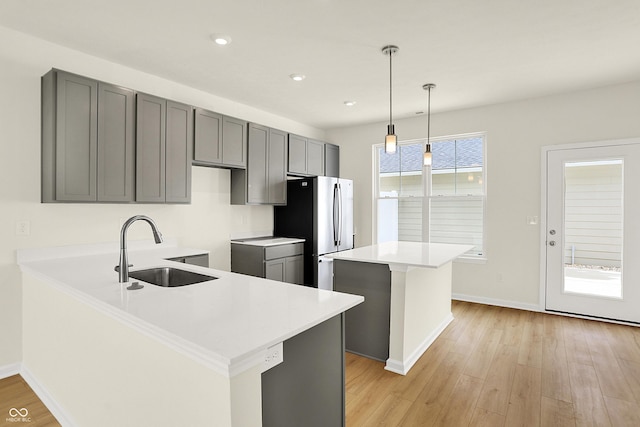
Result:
[[552, 243]]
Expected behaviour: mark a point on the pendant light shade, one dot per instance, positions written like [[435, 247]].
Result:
[[391, 140], [427, 158]]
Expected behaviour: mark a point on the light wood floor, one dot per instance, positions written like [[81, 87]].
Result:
[[16, 393], [502, 367]]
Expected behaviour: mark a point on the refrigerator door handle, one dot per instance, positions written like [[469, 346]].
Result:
[[339, 214], [336, 213]]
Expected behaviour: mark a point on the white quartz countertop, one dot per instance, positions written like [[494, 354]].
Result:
[[227, 324], [268, 241], [405, 254]]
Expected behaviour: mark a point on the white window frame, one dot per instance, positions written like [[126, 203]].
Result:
[[427, 196]]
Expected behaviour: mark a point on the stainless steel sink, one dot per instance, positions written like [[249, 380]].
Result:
[[169, 277]]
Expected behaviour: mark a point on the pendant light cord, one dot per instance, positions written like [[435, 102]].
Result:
[[429, 116], [390, 89]]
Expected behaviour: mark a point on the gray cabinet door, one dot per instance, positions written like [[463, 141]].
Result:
[[277, 167], [294, 270], [179, 140], [315, 158], [76, 138], [234, 142], [257, 187], [275, 269], [116, 144], [150, 148], [332, 160], [208, 137], [297, 163]]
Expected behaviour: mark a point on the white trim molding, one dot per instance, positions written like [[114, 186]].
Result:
[[497, 302], [10, 370], [403, 366], [43, 394]]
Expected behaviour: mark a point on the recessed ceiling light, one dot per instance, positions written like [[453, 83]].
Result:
[[221, 39], [297, 77], [349, 103]]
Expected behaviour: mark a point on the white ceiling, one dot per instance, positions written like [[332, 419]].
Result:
[[478, 52]]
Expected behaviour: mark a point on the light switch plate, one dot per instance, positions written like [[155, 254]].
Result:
[[532, 220], [23, 228]]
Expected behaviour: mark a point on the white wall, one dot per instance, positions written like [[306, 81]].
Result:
[[515, 134], [207, 223]]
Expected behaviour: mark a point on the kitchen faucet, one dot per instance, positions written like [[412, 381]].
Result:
[[123, 267]]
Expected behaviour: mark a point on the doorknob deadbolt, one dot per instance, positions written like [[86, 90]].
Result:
[[552, 232]]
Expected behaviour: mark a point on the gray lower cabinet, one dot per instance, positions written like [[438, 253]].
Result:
[[332, 160], [87, 140], [264, 181], [284, 263], [220, 141], [308, 387], [367, 326], [164, 135], [306, 156]]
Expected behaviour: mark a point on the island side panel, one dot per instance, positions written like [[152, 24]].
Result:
[[308, 387], [103, 373], [421, 310], [366, 325]]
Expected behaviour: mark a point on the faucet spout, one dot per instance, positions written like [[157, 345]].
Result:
[[123, 265]]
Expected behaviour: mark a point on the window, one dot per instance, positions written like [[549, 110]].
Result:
[[443, 203]]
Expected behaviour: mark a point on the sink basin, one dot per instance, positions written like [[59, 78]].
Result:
[[169, 277]]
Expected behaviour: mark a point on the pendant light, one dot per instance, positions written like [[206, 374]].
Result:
[[427, 152], [390, 141]]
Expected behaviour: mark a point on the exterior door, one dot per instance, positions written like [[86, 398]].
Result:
[[593, 231]]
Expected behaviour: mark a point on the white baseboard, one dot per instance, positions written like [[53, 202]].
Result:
[[402, 367], [9, 370], [46, 398], [497, 302]]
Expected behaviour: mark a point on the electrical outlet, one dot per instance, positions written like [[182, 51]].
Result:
[[23, 228], [532, 220], [273, 356]]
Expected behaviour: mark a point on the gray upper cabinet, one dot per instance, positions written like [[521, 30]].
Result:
[[69, 138], [179, 145], [164, 135], [234, 142], [277, 167], [116, 143], [208, 138], [220, 141], [297, 155], [315, 158], [306, 156], [87, 140], [150, 148], [332, 160], [265, 179]]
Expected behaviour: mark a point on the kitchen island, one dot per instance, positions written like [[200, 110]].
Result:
[[407, 290], [202, 354]]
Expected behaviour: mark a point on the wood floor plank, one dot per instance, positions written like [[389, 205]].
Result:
[[555, 375], [631, 372], [556, 413], [623, 413], [462, 402], [497, 386], [530, 351], [482, 354], [525, 397], [613, 382], [588, 400], [575, 341], [624, 341], [483, 418]]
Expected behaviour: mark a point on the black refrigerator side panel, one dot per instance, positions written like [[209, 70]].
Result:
[[296, 220]]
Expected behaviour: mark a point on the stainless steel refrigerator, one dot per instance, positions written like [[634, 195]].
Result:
[[319, 210]]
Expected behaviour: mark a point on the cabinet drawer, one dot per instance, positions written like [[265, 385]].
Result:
[[281, 251]]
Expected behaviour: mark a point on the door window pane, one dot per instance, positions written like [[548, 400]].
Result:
[[593, 228]]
